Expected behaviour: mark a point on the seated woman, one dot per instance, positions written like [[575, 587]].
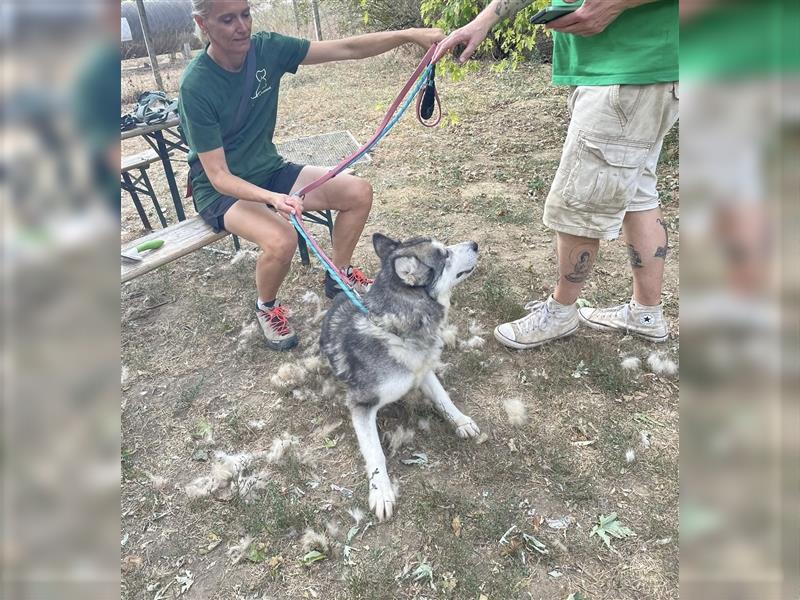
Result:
[[245, 187]]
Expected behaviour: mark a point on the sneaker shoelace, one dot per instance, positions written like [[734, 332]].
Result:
[[538, 316], [276, 319], [357, 277]]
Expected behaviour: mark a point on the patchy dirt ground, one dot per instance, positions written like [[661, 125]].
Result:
[[509, 517]]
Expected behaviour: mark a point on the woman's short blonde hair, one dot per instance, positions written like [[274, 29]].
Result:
[[200, 8]]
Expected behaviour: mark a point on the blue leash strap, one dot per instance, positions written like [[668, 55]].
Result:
[[424, 79], [351, 294]]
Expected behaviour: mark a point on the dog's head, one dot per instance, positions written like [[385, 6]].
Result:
[[426, 263]]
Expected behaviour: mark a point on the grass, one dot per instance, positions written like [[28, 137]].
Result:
[[426, 182], [188, 395], [498, 209], [497, 300], [275, 515]]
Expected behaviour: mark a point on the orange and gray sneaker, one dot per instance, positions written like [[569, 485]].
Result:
[[352, 276], [276, 328]]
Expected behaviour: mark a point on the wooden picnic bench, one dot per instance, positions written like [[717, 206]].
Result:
[[188, 235]]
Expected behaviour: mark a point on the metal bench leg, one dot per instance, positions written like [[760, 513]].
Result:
[[146, 180], [330, 224], [135, 197], [301, 247]]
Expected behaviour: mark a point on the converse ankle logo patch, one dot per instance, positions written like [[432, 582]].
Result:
[[646, 319]]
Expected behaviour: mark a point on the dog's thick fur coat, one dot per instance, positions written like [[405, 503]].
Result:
[[384, 354]]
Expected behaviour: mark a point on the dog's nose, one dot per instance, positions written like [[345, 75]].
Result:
[[474, 246]]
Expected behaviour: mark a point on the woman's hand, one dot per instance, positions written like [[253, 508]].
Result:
[[285, 205], [425, 37]]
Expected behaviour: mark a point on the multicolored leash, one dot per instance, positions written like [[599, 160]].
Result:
[[423, 76]]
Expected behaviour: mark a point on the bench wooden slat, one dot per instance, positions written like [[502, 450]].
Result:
[[179, 240], [138, 160]]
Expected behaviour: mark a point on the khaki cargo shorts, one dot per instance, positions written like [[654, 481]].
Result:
[[608, 164]]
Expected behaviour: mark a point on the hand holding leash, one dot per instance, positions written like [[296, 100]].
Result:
[[286, 206]]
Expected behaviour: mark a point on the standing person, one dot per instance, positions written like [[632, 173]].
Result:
[[621, 57], [245, 188]]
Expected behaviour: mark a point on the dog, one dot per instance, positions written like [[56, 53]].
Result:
[[394, 348]]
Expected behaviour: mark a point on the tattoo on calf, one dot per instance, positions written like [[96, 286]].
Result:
[[582, 268], [636, 258], [661, 251]]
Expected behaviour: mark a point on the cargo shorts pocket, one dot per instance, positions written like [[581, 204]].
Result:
[[604, 175]]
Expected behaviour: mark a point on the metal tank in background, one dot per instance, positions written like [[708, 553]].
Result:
[[171, 25]]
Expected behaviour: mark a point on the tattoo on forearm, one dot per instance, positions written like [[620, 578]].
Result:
[[509, 8], [661, 251], [581, 269], [636, 258]]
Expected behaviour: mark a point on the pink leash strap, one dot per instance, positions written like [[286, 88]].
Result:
[[426, 60]]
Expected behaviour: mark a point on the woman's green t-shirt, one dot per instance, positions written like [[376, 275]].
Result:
[[209, 97]]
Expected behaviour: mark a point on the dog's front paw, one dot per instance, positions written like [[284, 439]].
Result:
[[381, 496], [466, 427]]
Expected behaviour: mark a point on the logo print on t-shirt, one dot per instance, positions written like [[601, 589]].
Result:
[[263, 88]]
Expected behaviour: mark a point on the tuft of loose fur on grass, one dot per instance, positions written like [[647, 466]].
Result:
[[248, 332], [356, 513], [332, 529], [280, 445], [328, 390], [424, 424], [257, 424], [631, 363], [327, 429], [661, 364], [312, 540], [645, 438], [474, 343], [313, 364], [630, 455], [398, 438], [200, 487], [515, 411], [251, 486], [159, 483], [312, 298], [242, 254], [450, 336], [238, 551], [289, 375], [476, 329]]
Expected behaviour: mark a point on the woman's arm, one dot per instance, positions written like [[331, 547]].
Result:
[[228, 184], [370, 44]]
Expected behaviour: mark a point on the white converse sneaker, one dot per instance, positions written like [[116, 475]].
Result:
[[645, 321], [547, 320]]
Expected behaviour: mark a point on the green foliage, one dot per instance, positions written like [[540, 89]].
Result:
[[510, 42]]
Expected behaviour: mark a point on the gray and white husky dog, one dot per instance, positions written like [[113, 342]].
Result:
[[384, 354]]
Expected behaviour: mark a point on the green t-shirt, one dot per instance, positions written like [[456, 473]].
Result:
[[741, 40], [209, 97], [639, 47]]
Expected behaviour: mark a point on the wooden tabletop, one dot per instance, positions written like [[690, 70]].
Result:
[[144, 129]]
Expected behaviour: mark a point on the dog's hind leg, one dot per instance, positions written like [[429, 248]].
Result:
[[432, 388], [381, 494]]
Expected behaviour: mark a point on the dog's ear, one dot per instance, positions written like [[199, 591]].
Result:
[[383, 245], [413, 272]]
